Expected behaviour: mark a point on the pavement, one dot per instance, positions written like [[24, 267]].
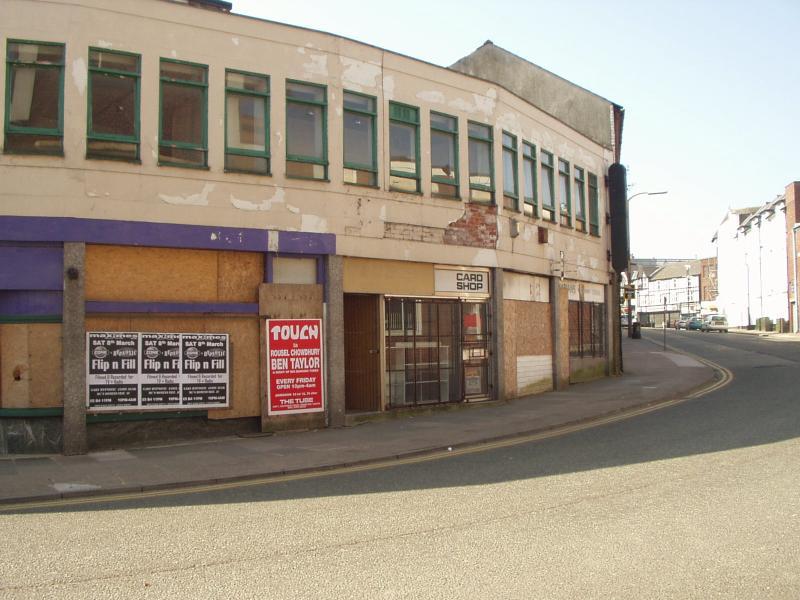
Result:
[[653, 377]]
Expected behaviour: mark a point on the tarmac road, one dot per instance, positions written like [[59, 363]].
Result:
[[699, 500]]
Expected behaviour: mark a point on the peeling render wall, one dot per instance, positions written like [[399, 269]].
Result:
[[367, 222]]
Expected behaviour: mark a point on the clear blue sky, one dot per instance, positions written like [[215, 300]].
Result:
[[711, 89]]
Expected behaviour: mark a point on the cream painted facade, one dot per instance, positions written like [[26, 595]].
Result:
[[367, 241]]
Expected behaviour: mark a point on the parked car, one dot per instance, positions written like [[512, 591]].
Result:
[[715, 323], [695, 323]]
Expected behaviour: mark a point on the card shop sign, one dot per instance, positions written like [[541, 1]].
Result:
[[139, 371], [294, 366]]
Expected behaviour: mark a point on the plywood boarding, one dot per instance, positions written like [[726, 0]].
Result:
[[133, 274], [367, 276], [244, 339], [30, 366], [527, 331]]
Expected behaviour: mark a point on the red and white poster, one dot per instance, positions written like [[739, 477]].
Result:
[[294, 366]]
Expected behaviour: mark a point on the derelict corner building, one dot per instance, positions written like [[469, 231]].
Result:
[[206, 215]]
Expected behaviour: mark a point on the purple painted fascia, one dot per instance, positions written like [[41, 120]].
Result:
[[131, 233], [30, 303], [31, 268], [247, 308], [296, 242]]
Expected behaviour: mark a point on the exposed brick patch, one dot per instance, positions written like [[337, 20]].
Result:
[[478, 227], [413, 233]]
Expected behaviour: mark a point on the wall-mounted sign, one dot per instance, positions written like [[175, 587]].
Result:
[[145, 371], [295, 381], [462, 282]]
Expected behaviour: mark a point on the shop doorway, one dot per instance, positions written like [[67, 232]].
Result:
[[362, 374]]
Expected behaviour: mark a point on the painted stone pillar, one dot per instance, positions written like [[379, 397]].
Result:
[[73, 346]]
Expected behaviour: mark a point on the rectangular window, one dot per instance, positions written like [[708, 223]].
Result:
[[306, 130], [34, 122], [246, 122], [113, 116], [580, 199], [360, 139], [594, 206], [403, 148], [510, 185], [481, 164], [564, 196], [444, 155], [183, 132], [548, 186], [529, 178]]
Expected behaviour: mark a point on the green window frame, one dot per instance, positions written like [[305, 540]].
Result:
[[444, 149], [481, 169], [594, 206], [529, 206], [510, 172], [546, 169], [304, 99], [403, 120], [579, 184], [244, 92], [360, 112], [40, 126], [564, 193], [183, 97], [110, 68]]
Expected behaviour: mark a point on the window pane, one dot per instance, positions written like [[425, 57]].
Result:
[[304, 131], [247, 125], [480, 170], [443, 122], [509, 176], [309, 93], [251, 83], [113, 104], [34, 97], [183, 72], [39, 53], [182, 113], [443, 155], [358, 138], [112, 60], [358, 102], [403, 148]]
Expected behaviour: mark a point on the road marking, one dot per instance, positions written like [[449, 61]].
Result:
[[726, 376]]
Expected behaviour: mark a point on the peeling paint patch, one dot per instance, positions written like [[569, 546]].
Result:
[[200, 199], [277, 198], [314, 224], [360, 73], [318, 65], [432, 97], [79, 75]]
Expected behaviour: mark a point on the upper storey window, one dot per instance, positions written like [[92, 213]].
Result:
[[444, 155], [481, 164], [246, 122], [594, 206], [529, 178], [403, 147], [580, 199], [360, 139], [183, 135], [510, 185], [548, 186], [34, 97], [306, 130], [113, 126], [564, 195]]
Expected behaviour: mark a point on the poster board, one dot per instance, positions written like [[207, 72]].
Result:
[[156, 371], [294, 363]]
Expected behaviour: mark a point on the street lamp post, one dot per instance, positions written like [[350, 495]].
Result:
[[630, 284]]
